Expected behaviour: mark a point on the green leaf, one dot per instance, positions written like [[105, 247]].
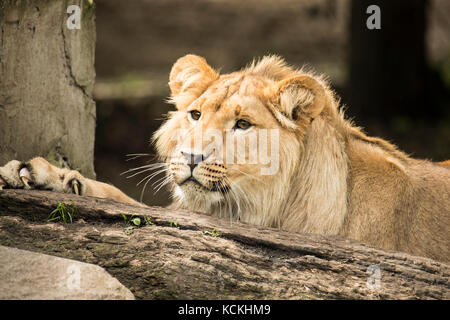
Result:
[[136, 221], [213, 233], [148, 221]]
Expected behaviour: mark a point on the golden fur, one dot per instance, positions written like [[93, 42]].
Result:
[[40, 174], [332, 178]]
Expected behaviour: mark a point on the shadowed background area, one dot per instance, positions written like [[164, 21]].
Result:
[[394, 81]]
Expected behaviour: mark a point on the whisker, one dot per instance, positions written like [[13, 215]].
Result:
[[143, 189], [139, 155], [222, 194], [230, 207], [150, 176], [234, 187], [145, 186], [155, 182], [162, 184], [133, 156], [139, 172], [152, 165], [228, 201]]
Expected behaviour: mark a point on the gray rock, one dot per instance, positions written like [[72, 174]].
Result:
[[30, 275]]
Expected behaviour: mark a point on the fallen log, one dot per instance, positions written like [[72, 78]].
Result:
[[168, 254]]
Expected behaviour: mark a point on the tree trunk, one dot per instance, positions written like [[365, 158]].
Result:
[[46, 81], [186, 255]]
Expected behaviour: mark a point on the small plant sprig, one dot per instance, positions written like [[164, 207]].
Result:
[[61, 213], [174, 224], [214, 233], [148, 221], [135, 221]]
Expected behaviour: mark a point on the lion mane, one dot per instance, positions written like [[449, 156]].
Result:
[[333, 179]]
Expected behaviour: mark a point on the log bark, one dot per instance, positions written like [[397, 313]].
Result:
[[46, 82], [181, 256]]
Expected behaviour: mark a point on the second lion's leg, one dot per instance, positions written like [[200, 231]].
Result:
[[40, 174]]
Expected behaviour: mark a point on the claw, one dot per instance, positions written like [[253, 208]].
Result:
[[25, 176], [75, 186]]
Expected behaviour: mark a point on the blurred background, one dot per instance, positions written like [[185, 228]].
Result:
[[395, 82]]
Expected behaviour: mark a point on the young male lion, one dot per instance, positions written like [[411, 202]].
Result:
[[323, 176]]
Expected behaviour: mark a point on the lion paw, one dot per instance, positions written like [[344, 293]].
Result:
[[9, 175], [74, 182], [40, 174]]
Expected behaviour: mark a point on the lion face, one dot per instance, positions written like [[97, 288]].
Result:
[[234, 137]]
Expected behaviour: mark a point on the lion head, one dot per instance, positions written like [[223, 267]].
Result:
[[234, 144]]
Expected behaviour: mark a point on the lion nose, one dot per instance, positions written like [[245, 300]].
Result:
[[193, 159]]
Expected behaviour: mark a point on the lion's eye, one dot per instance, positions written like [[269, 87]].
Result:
[[195, 115], [242, 124]]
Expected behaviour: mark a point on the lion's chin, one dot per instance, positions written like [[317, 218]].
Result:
[[196, 197]]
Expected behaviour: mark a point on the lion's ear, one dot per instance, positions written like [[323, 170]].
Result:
[[190, 76], [301, 97]]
